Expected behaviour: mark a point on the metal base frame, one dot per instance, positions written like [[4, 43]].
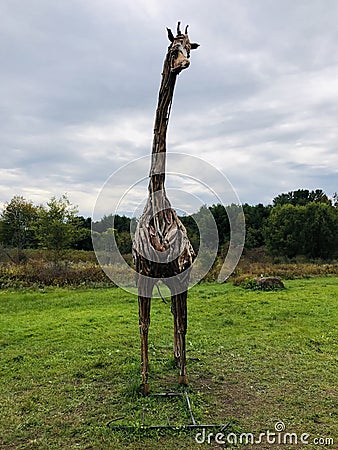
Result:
[[191, 426]]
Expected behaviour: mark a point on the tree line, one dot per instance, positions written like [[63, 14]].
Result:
[[299, 222]]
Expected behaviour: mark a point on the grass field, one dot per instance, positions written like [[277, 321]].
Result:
[[70, 366]]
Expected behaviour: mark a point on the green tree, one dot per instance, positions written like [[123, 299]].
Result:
[[321, 231], [207, 228], [301, 197], [58, 227], [222, 221], [17, 219], [192, 230], [124, 242], [119, 223], [84, 241], [309, 230], [255, 220], [284, 231]]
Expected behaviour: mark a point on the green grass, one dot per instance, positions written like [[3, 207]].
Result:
[[70, 365]]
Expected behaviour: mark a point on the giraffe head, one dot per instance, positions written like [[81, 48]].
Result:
[[179, 50]]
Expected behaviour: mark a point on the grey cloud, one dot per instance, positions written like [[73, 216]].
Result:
[[79, 83]]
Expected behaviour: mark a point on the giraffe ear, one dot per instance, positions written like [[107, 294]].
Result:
[[193, 46], [170, 35]]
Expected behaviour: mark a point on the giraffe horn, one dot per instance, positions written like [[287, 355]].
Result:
[[186, 29], [178, 28]]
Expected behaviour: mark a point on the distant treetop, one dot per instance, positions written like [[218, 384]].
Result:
[[301, 197]]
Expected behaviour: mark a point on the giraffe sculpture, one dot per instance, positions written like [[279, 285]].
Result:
[[161, 248]]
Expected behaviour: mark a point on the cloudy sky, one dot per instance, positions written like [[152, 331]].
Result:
[[79, 81]]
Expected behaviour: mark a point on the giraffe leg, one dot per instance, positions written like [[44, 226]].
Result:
[[144, 322], [180, 317], [176, 340]]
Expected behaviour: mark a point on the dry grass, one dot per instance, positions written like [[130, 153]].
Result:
[[80, 268]]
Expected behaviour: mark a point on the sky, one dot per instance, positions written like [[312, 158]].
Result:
[[79, 81]]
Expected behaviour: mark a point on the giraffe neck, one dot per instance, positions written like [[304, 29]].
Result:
[[157, 170]]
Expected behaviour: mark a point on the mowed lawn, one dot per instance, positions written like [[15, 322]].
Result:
[[70, 366]]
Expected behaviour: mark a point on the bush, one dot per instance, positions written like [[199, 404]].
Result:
[[263, 284], [269, 283]]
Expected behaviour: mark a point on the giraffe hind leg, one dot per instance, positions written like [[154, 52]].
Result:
[[144, 322], [179, 308]]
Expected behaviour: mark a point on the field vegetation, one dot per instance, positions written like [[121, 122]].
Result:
[[70, 365]]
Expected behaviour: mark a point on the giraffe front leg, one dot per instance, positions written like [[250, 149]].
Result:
[[144, 322], [181, 327], [176, 339]]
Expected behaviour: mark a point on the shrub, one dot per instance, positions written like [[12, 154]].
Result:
[[263, 284]]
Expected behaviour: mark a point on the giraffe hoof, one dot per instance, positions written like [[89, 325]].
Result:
[[145, 388], [183, 379]]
